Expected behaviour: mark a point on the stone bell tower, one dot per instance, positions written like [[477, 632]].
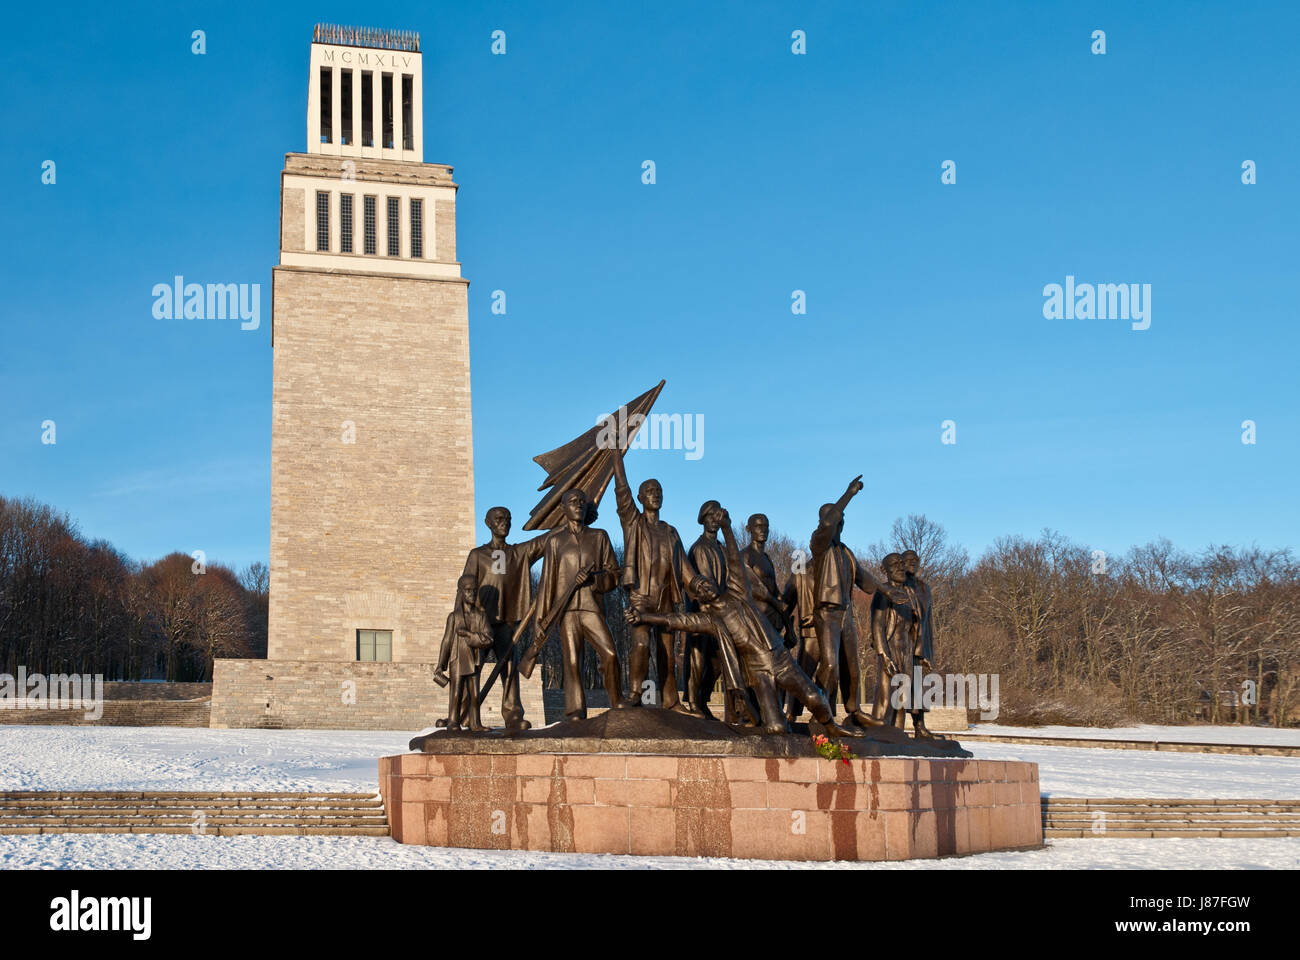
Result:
[[372, 482]]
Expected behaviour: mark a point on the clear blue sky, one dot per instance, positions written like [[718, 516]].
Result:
[[775, 172]]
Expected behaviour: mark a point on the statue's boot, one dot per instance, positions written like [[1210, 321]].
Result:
[[681, 706], [518, 723], [921, 732], [834, 728], [864, 719], [440, 722]]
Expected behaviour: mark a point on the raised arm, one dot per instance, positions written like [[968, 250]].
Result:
[[737, 570], [623, 500], [828, 524]]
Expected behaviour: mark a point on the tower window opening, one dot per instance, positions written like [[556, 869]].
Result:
[[394, 227], [326, 104], [369, 215], [322, 221], [345, 223], [345, 103], [408, 115], [387, 92], [417, 227], [367, 109]]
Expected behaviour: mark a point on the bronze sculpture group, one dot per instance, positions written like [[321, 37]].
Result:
[[720, 606]]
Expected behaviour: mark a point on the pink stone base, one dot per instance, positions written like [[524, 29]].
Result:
[[890, 808]]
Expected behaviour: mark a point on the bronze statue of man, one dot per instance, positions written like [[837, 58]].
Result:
[[655, 566], [467, 634], [703, 654], [892, 617], [762, 575], [922, 631], [727, 611], [578, 568], [801, 630], [505, 592], [835, 572]]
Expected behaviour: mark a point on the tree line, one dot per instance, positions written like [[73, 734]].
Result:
[[73, 605], [1156, 635]]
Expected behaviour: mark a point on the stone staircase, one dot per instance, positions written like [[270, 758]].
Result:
[[221, 814], [1138, 817]]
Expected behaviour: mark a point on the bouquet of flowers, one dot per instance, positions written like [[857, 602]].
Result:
[[831, 751]]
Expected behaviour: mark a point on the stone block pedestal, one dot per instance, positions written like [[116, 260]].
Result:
[[779, 808]]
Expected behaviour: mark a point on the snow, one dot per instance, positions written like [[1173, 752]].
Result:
[[1098, 772], [144, 852], [193, 758], [1146, 731], [187, 758]]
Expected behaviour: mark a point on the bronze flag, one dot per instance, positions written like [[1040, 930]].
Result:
[[587, 462]]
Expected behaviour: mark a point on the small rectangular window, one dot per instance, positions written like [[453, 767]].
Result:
[[345, 223], [408, 114], [394, 227], [326, 104], [417, 227], [367, 109], [387, 93], [345, 104], [322, 220], [369, 214], [375, 646]]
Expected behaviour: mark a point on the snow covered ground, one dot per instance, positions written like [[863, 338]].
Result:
[[1146, 731], [171, 758], [91, 852]]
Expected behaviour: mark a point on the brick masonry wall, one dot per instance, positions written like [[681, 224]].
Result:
[[370, 534], [296, 694], [888, 808]]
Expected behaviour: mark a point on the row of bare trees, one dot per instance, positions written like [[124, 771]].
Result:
[[69, 605], [1074, 636], [1157, 635]]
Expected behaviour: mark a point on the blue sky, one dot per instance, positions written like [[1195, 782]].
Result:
[[775, 172]]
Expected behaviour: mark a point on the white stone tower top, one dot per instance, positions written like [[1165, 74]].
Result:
[[364, 97]]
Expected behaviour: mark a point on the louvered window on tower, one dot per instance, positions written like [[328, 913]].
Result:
[[370, 224], [394, 227], [417, 228], [322, 220], [345, 223]]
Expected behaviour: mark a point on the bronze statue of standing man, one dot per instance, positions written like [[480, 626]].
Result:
[[505, 592], [762, 575], [578, 568], [655, 567], [835, 572], [922, 631]]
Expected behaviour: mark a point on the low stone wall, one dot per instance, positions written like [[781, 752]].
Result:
[[806, 808], [121, 713], [329, 695], [155, 690]]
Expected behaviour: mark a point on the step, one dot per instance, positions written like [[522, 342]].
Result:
[[224, 813]]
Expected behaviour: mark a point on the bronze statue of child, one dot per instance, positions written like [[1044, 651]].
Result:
[[467, 635]]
